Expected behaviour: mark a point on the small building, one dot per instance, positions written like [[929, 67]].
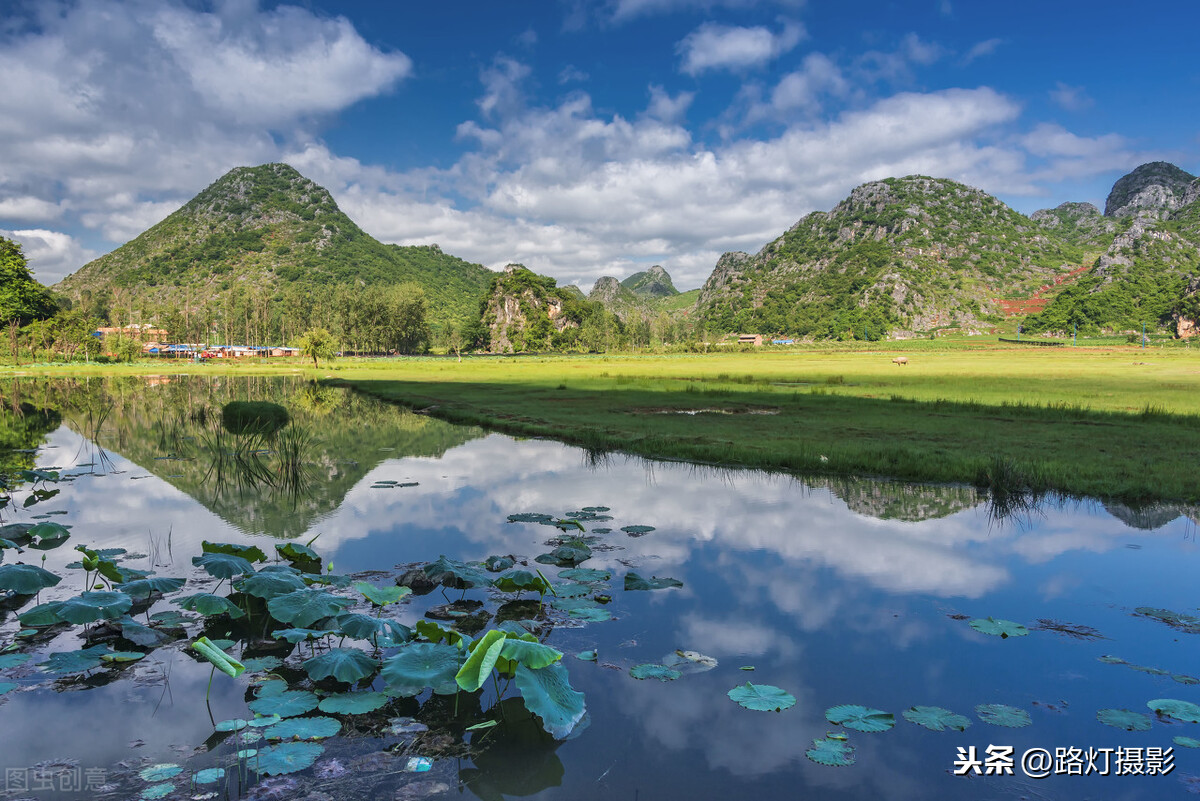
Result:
[[749, 339]]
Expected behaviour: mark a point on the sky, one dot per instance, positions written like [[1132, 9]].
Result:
[[580, 138]]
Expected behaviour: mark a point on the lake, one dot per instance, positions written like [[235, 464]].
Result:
[[839, 592]]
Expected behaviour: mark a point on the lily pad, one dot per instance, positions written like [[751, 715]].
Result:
[[635, 582], [299, 635], [1124, 719], [456, 575], [381, 596], [314, 728], [761, 697], [251, 553], [498, 564], [268, 584], [587, 656], [935, 718], [652, 671], [999, 628], [223, 565], [689, 661], [155, 791], [860, 718], [565, 555], [366, 627], [144, 588], [1186, 742], [521, 580], [353, 703], [572, 590], [831, 751], [256, 664], [305, 607], [208, 775], [422, 664], [141, 635], [531, 517], [1184, 711], [208, 605], [637, 531], [160, 772], [344, 664], [1003, 715], [234, 724], [47, 536], [94, 605], [585, 574], [549, 695], [287, 704], [41, 615], [26, 579], [286, 758], [590, 614], [12, 660]]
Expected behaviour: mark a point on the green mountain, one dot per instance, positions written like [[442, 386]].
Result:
[[652, 283], [270, 232], [900, 255], [526, 311], [1081, 224], [619, 299], [1158, 187]]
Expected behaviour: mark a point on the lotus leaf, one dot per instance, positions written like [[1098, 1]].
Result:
[[530, 653], [365, 627], [935, 718], [478, 667], [26, 579], [1112, 660], [219, 659], [566, 525], [565, 555], [94, 605], [651, 671], [170, 619], [223, 565], [160, 772], [999, 628], [590, 614], [1176, 620], [268, 584], [208, 604], [305, 607], [260, 722], [12, 660], [521, 580], [1184, 679], [587, 656], [41, 615], [117, 657], [1003, 715], [596, 509], [572, 590], [299, 635], [208, 775], [328, 580], [286, 758], [531, 517], [435, 633], [287, 704], [353, 703], [156, 791], [46, 536], [637, 531], [144, 588], [1187, 742], [456, 575], [689, 661], [860, 718], [831, 751], [344, 664], [74, 661], [635, 582], [236, 724], [315, 728], [498, 564], [1124, 719], [301, 556], [7, 687], [281, 568], [381, 596], [258, 663], [246, 753], [1184, 711], [141, 635], [585, 574], [420, 665], [762, 697], [549, 695], [251, 553]]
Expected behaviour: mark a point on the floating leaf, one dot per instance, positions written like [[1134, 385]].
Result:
[[1176, 620], [46, 536], [999, 628], [1187, 742], [299, 635], [689, 661], [94, 605], [549, 695], [831, 751], [160, 772], [1003, 715], [651, 671], [219, 659], [860, 718], [761, 697], [208, 775], [565, 555], [256, 664], [635, 582], [12, 660], [303, 557], [935, 718], [353, 703], [637, 531], [498, 564], [1124, 719], [119, 657], [223, 565], [261, 722], [1184, 711], [235, 724], [156, 791], [585, 574], [41, 615], [456, 575], [251, 553], [26, 579], [435, 633], [208, 604], [286, 758], [365, 627], [587, 656], [286, 704], [344, 664], [590, 614], [305, 607], [421, 664], [381, 596], [74, 661], [521, 580], [314, 728], [531, 517], [268, 584], [532, 654], [144, 588]]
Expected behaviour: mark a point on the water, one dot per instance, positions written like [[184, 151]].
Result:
[[857, 592]]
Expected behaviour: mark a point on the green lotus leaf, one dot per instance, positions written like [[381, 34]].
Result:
[[251, 553], [208, 775], [279, 567], [74, 661], [1184, 711], [26, 579], [531, 517], [422, 664], [260, 722], [144, 588], [571, 604], [521, 580], [366, 627], [305, 607], [435, 633], [585, 574], [935, 718], [160, 772], [572, 590], [286, 758], [314, 728], [549, 695], [652, 671], [1186, 623], [762, 697], [12, 660], [298, 635], [1003, 715], [831, 751], [287, 704], [344, 664], [217, 657], [208, 604], [590, 614], [587, 656], [139, 634], [7, 687], [637, 531], [1124, 719], [235, 724], [498, 564], [478, 667], [353, 703], [635, 582], [246, 753], [46, 536], [223, 565], [327, 580], [998, 628], [1112, 660], [381, 596], [156, 791], [687, 662], [268, 584], [256, 664], [1184, 679], [94, 605], [118, 657], [1187, 742], [41, 615], [596, 509], [301, 556], [565, 555], [456, 575], [530, 653], [567, 525], [170, 619]]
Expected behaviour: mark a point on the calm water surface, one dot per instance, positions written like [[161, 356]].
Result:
[[857, 592]]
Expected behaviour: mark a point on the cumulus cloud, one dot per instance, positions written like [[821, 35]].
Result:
[[51, 255], [803, 88], [981, 49], [1070, 98], [717, 47]]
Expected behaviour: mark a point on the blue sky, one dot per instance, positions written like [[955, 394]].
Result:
[[579, 137]]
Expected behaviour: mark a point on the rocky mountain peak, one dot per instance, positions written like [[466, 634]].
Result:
[[1157, 187], [652, 283]]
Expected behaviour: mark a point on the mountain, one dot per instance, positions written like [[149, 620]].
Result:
[[618, 298], [1157, 187], [898, 255], [270, 228], [652, 283], [1081, 224], [526, 311]]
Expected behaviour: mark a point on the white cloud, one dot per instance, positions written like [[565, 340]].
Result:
[[29, 209], [716, 47], [802, 89], [896, 66], [668, 109], [981, 49], [623, 10], [51, 255], [1070, 98], [572, 74], [1067, 155]]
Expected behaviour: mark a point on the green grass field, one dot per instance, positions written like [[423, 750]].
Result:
[[1118, 422]]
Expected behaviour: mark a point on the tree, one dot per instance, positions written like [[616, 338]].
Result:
[[318, 343], [21, 297]]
